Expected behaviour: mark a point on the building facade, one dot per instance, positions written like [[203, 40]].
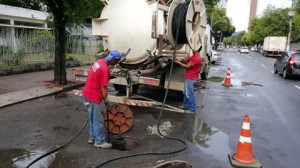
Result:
[[253, 11]]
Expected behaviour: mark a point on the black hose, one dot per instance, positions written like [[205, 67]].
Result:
[[178, 24], [178, 31], [54, 150]]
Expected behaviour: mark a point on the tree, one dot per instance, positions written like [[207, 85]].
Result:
[[210, 6], [239, 38], [68, 11], [228, 40], [29, 4], [246, 39], [221, 23], [274, 22], [74, 12]]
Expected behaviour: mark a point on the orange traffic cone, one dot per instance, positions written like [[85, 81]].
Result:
[[227, 81], [244, 156]]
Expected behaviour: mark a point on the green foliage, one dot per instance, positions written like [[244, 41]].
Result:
[[297, 6], [29, 4], [236, 40], [221, 23], [274, 22], [5, 50], [228, 40], [210, 6], [10, 58], [246, 40], [296, 28], [75, 11]]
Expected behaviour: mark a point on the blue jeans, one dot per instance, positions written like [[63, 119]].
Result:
[[96, 111], [189, 95]]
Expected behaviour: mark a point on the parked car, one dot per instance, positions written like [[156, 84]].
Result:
[[288, 64], [244, 50], [215, 56]]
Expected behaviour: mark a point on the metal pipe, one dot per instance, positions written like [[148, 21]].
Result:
[[148, 71]]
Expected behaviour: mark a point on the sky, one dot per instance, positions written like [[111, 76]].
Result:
[[238, 10]]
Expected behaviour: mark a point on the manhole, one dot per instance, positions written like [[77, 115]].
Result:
[[119, 119], [124, 142], [174, 164]]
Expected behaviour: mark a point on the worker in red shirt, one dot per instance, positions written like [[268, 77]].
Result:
[[94, 97], [192, 65]]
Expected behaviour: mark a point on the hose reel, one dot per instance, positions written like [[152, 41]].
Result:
[[185, 17]]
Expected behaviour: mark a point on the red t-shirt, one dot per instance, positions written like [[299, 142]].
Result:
[[98, 76], [195, 61]]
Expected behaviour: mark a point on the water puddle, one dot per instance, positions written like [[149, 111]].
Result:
[[234, 82], [215, 79], [211, 140], [19, 158]]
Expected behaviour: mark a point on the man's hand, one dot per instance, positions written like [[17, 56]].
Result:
[[177, 61], [107, 103]]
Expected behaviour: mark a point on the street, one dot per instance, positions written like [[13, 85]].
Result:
[[32, 128], [273, 107]]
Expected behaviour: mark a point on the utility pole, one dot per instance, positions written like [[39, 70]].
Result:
[[290, 14]]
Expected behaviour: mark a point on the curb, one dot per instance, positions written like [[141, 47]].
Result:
[[12, 98]]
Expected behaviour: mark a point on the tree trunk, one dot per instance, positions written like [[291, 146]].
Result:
[[60, 75]]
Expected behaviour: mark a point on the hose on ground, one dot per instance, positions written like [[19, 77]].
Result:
[[61, 147]]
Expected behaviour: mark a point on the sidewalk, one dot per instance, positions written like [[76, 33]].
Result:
[[27, 86]]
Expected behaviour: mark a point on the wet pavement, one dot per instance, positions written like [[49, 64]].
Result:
[[31, 128], [36, 126], [45, 123]]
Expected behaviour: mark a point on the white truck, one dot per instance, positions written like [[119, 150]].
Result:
[[150, 32], [147, 30], [274, 46]]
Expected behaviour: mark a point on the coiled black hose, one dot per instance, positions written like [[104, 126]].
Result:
[[178, 23]]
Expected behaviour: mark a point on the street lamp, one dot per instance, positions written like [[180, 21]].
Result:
[[290, 14]]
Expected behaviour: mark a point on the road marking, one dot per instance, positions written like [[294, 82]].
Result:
[[298, 87], [255, 61], [262, 65], [272, 71]]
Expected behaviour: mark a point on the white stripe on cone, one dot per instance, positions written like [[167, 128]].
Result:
[[246, 126], [243, 139]]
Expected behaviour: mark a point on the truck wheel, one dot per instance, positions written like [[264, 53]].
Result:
[[204, 75]]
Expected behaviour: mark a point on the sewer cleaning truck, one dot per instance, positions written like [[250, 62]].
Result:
[[147, 30], [150, 33]]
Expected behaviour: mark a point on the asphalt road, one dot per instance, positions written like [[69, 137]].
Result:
[[273, 107], [31, 128]]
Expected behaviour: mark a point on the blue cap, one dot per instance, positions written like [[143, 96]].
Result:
[[113, 55]]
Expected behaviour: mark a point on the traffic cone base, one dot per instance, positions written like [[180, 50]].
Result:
[[243, 157], [230, 85], [227, 81], [237, 164]]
